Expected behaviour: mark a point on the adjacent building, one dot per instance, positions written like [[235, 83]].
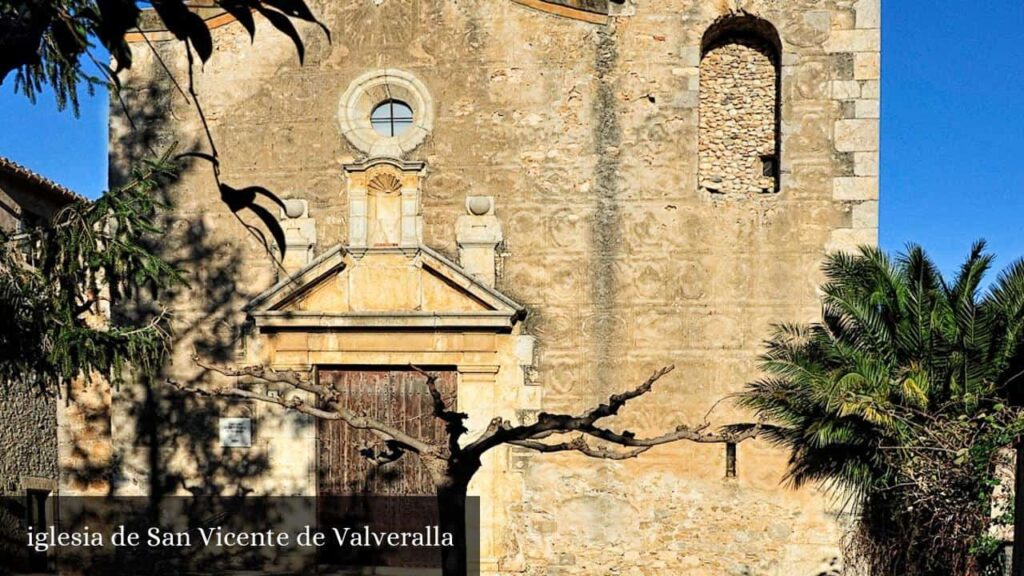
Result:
[[28, 410]]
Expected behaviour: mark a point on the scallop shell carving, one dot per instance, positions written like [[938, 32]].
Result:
[[384, 184]]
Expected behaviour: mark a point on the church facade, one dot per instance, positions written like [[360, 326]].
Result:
[[545, 202]]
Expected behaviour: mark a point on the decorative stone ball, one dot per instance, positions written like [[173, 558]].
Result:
[[294, 208], [479, 205]]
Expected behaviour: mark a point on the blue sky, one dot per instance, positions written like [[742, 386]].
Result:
[[71, 151], [952, 129]]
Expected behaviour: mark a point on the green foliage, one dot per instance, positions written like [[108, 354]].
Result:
[[50, 42], [898, 399], [57, 278]]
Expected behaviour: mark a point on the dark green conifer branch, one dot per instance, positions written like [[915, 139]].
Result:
[[59, 279]]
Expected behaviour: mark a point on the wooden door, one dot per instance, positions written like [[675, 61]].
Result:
[[396, 396]]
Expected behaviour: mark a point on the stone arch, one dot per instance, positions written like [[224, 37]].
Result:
[[738, 136]]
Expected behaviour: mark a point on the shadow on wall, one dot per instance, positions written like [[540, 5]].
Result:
[[166, 442]]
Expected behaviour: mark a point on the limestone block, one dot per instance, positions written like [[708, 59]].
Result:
[[855, 188], [690, 56], [865, 164], [84, 447], [857, 40], [868, 109], [849, 239], [818, 22], [865, 214], [871, 89], [859, 135], [845, 89], [869, 13], [843, 20], [867, 65], [525, 349]]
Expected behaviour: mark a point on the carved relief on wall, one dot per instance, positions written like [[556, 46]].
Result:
[[810, 81], [808, 29], [380, 23]]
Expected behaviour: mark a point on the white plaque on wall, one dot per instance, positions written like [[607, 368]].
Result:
[[235, 432]]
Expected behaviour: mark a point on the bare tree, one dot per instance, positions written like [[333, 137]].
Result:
[[452, 465]]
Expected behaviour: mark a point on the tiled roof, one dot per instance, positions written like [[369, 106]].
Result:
[[8, 166]]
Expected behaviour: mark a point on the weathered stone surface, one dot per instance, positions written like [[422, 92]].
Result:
[[845, 89], [867, 65], [855, 188], [869, 14], [857, 40], [849, 239], [856, 135], [865, 214], [865, 164], [589, 139], [871, 89], [28, 427], [868, 109]]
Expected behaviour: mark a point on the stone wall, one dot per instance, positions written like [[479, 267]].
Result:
[[28, 427], [586, 135], [738, 127]]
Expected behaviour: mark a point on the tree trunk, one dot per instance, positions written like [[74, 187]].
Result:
[[451, 503]]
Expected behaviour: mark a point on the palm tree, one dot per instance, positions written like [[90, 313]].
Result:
[[901, 400]]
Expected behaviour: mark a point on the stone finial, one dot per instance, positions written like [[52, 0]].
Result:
[[478, 234], [299, 234]]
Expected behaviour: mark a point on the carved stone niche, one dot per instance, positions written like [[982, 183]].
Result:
[[384, 204]]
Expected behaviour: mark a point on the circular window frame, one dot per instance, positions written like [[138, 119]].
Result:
[[371, 89]]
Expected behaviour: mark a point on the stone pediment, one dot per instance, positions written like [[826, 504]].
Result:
[[383, 288]]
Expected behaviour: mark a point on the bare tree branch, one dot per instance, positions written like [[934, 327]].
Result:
[[620, 445], [327, 396], [454, 421], [579, 444], [293, 378], [500, 432], [394, 452], [296, 404]]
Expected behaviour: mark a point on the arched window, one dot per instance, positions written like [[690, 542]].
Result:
[[738, 149]]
